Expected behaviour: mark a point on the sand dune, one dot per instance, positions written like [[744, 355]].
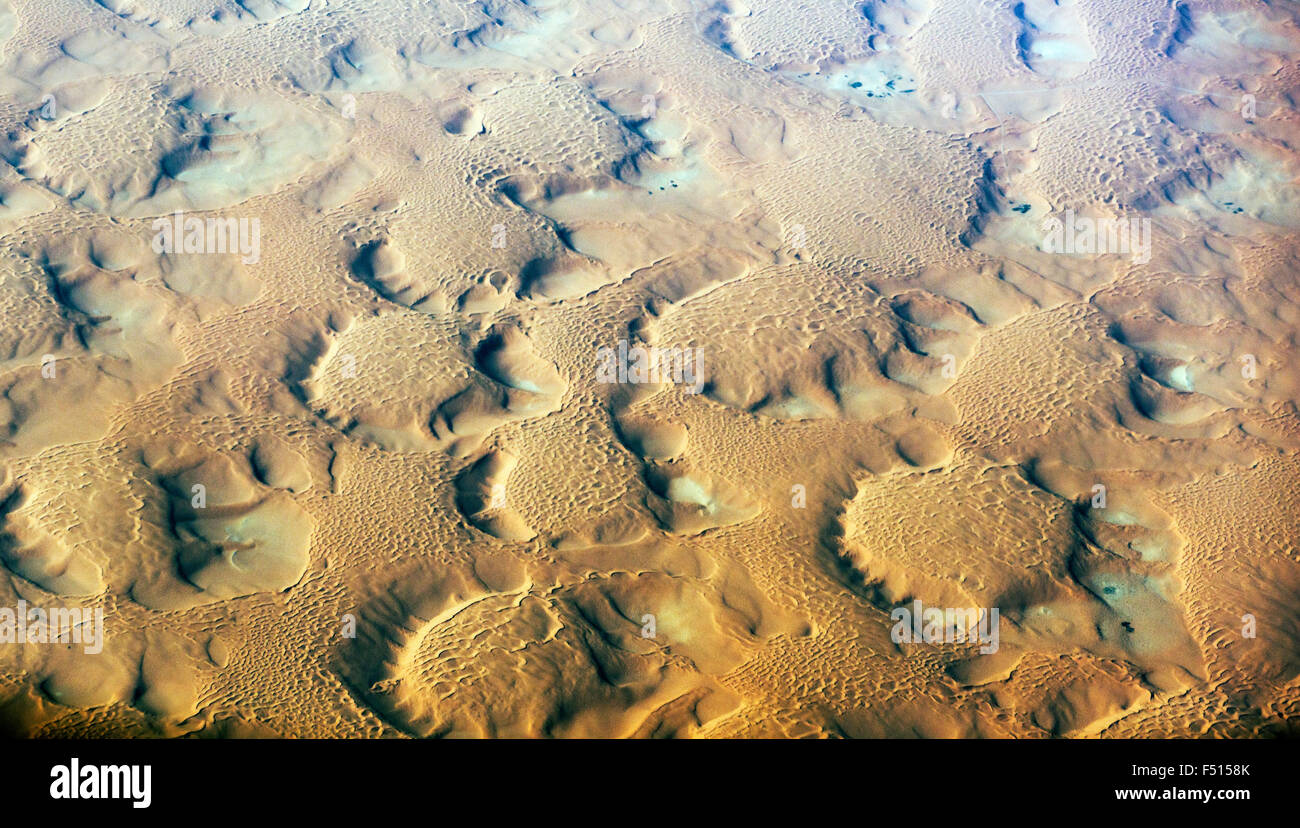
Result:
[[578, 369]]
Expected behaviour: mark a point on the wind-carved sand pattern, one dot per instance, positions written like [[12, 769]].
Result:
[[581, 369]]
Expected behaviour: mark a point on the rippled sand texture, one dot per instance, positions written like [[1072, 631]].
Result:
[[367, 480]]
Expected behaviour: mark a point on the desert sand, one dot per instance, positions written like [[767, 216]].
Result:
[[624, 368]]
